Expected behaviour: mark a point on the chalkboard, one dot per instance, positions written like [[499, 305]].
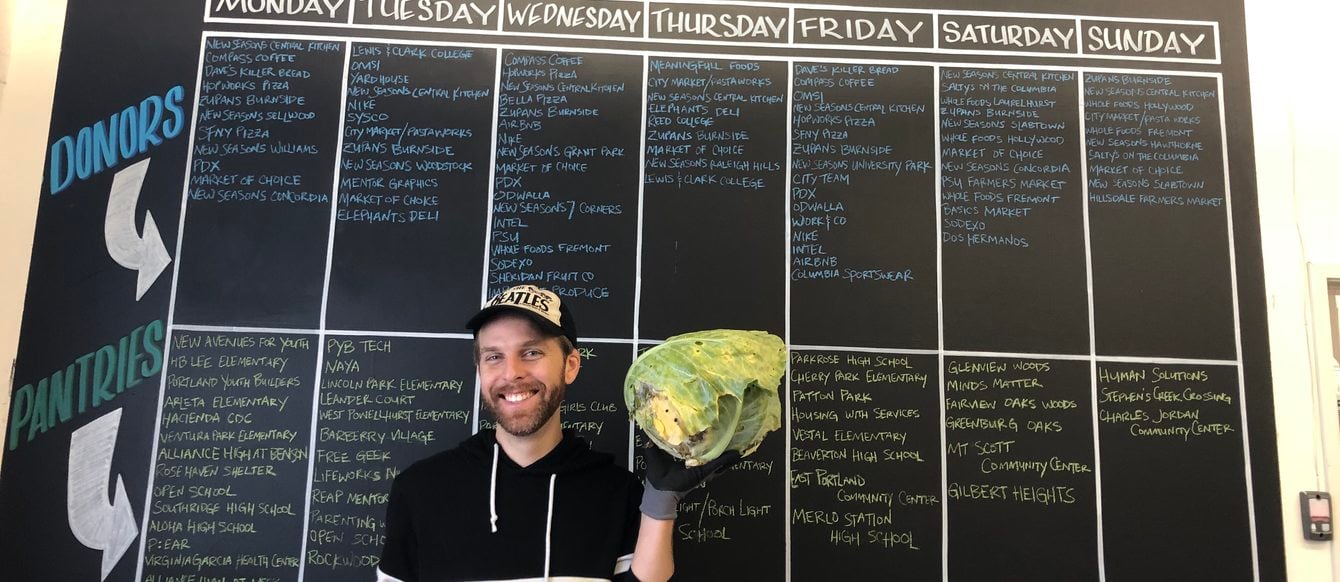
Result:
[[438, 115], [1010, 249]]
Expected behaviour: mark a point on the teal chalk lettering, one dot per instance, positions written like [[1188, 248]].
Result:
[[133, 356], [40, 421], [61, 397], [20, 413], [173, 125], [123, 135], [89, 381], [104, 375], [153, 338], [83, 362], [150, 117]]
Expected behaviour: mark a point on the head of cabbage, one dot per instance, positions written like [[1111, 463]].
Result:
[[703, 393]]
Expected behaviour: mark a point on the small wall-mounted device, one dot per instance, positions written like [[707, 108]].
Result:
[[1316, 508]]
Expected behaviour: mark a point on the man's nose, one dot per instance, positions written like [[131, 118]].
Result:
[[513, 367]]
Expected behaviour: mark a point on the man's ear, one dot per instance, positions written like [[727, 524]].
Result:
[[571, 366]]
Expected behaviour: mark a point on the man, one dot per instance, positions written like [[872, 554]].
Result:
[[528, 500]]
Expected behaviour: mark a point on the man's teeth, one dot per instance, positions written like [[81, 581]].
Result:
[[517, 396]]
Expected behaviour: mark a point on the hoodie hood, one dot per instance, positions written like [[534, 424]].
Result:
[[572, 454]]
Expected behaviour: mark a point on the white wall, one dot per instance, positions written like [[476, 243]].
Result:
[[1296, 144], [1296, 153]]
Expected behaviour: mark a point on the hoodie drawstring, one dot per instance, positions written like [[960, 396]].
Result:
[[549, 524], [548, 518], [493, 493]]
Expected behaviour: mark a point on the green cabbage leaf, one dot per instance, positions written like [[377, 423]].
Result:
[[703, 393]]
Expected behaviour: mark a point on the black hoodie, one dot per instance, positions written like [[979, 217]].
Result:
[[471, 513]]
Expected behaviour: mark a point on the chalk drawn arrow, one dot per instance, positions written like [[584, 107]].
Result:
[[95, 523], [146, 254]]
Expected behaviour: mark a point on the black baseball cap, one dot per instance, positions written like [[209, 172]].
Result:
[[542, 306]]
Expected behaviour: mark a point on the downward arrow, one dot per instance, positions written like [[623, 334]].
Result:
[[95, 523], [148, 255]]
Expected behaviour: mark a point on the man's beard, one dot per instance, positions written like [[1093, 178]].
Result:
[[527, 423]]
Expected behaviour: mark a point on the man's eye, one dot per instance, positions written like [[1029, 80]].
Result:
[[533, 353]]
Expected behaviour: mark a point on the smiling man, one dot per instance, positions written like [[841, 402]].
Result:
[[529, 500]]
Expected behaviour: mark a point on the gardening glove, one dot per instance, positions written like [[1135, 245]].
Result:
[[668, 480]]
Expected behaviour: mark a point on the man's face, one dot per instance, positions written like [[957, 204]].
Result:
[[522, 374]]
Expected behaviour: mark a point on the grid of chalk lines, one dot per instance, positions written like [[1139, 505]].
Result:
[[942, 353]]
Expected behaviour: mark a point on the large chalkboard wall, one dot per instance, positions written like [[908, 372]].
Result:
[[1012, 247]]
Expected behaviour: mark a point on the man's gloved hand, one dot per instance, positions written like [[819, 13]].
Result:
[[668, 480]]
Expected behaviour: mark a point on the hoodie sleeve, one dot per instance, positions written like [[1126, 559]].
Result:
[[399, 561]]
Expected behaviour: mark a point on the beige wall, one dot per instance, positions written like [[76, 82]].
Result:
[[1296, 148], [29, 46]]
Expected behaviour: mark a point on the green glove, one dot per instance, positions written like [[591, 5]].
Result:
[[668, 480]]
